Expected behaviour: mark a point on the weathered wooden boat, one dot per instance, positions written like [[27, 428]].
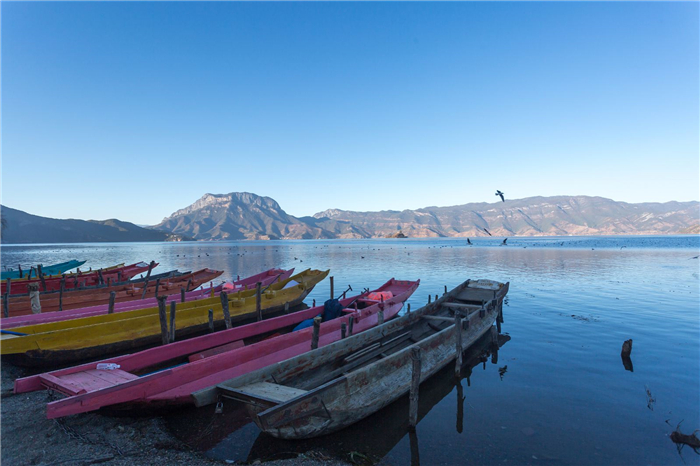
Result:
[[265, 278], [168, 374], [335, 386], [130, 291], [77, 280], [55, 269], [97, 336], [374, 436]]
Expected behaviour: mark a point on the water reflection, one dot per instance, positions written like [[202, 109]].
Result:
[[368, 440]]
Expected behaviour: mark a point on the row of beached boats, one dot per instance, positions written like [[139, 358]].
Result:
[[301, 371]]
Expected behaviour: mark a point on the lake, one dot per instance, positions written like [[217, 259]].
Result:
[[556, 392]]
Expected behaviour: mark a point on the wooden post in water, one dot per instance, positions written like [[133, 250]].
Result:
[[182, 295], [119, 276], [332, 295], [313, 303], [157, 286], [458, 345], [498, 324], [60, 293], [101, 279], [343, 330], [224, 306], [112, 297], [34, 297], [211, 320], [351, 321], [189, 282], [40, 270], [172, 321], [19, 266], [145, 289], [445, 289], [316, 334], [429, 298], [415, 385], [436, 297], [163, 320], [258, 301], [408, 309]]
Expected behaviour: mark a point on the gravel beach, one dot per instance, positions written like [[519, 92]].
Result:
[[28, 438]]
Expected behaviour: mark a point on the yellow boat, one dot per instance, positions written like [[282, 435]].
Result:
[[97, 336]]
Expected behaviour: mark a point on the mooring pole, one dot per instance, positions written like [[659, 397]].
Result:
[[157, 286], [112, 296], [60, 294], [211, 320], [258, 301], [172, 321], [458, 345], [316, 333], [182, 295], [351, 320], [415, 385], [332, 295], [224, 306], [343, 330], [163, 320]]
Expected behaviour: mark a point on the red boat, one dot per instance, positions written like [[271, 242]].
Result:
[[80, 280], [167, 375], [265, 278]]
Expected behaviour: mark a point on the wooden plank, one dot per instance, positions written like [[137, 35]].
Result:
[[439, 318], [270, 391], [218, 350], [62, 386], [461, 306]]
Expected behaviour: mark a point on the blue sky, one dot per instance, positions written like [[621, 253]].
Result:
[[134, 110]]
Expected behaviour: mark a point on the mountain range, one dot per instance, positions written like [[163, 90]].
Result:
[[21, 227], [247, 216]]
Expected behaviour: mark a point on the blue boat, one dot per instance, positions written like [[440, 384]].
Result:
[[55, 269]]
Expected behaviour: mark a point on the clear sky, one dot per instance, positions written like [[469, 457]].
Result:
[[134, 110]]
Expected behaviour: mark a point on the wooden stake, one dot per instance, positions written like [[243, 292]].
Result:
[[351, 321], [163, 320], [182, 295], [458, 346], [315, 335], [429, 298], [445, 289], [343, 329], [60, 294], [211, 321], [224, 306], [332, 295], [498, 324], [157, 286], [258, 301], [172, 321], [41, 276], [112, 297], [415, 385], [189, 282], [100, 278], [5, 305], [408, 310], [380, 316]]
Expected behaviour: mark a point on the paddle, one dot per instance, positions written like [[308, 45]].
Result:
[[9, 332]]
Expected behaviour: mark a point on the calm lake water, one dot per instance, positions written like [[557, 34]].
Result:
[[555, 393]]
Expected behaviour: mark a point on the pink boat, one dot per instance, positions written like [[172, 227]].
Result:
[[266, 278], [167, 375]]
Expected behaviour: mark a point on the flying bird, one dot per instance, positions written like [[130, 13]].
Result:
[[487, 232], [499, 193], [469, 242], [504, 242]]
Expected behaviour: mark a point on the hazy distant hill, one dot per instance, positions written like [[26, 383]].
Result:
[[26, 228], [534, 216], [249, 216]]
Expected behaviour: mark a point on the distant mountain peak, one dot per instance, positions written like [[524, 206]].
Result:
[[225, 201], [329, 213]]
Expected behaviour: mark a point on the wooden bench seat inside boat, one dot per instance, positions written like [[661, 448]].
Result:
[[86, 381], [263, 392]]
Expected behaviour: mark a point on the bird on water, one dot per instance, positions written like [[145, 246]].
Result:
[[499, 193]]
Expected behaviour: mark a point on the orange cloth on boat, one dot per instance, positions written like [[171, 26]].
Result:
[[379, 295]]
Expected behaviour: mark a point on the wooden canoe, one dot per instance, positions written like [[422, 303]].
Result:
[[55, 269], [337, 385], [265, 278], [114, 275], [130, 291], [95, 337], [204, 361]]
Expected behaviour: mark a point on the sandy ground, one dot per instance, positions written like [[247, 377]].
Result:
[[28, 438]]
